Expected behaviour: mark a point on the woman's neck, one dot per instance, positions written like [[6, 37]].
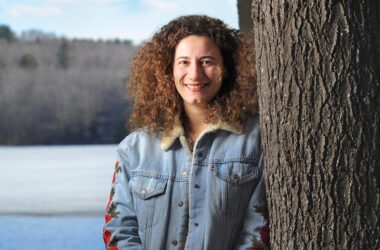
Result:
[[194, 122]]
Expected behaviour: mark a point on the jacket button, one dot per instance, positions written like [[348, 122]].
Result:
[[196, 186], [180, 203], [196, 224], [184, 173], [235, 177], [175, 243]]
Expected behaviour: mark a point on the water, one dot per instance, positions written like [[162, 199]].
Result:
[[53, 197], [53, 233]]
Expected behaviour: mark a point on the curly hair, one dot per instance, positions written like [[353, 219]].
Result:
[[156, 102]]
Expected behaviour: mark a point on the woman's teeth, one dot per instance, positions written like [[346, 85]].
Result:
[[196, 86]]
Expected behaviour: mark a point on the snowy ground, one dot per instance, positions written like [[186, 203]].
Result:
[[53, 197], [55, 179]]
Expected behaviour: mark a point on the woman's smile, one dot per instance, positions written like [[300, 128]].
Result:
[[196, 87]]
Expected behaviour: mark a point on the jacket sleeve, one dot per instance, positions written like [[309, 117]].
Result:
[[121, 228], [254, 234]]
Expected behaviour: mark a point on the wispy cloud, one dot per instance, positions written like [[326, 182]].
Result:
[[58, 1], [21, 10], [161, 5], [78, 2]]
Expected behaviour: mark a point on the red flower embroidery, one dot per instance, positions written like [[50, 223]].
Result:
[[264, 235], [255, 248], [116, 171], [108, 217], [111, 212], [114, 177], [106, 236], [107, 240], [263, 243], [109, 202]]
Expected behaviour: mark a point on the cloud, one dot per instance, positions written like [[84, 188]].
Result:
[[23, 10], [59, 1], [78, 2], [161, 5]]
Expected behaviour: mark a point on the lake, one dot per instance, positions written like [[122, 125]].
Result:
[[53, 197]]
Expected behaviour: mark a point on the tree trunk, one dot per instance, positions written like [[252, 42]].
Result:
[[244, 13], [318, 66]]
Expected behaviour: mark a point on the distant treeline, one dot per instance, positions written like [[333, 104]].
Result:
[[59, 91]]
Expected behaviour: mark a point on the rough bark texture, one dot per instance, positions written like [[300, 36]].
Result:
[[318, 65]]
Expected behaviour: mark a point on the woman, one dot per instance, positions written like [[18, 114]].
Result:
[[191, 175]]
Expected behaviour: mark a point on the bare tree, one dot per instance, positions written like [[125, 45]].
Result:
[[318, 73], [81, 101]]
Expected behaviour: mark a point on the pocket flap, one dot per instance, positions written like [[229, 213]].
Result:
[[146, 186], [236, 172]]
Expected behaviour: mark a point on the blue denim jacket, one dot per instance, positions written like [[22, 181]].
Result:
[[166, 197]]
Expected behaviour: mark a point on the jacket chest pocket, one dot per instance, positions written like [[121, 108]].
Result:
[[235, 181], [149, 199]]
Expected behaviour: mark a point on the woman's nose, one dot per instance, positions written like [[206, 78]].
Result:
[[196, 72]]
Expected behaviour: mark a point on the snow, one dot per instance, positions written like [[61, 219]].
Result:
[[55, 179], [53, 197]]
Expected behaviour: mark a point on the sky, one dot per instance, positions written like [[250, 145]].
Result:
[[135, 20]]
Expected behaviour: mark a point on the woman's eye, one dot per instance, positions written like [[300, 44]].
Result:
[[183, 62], [206, 62]]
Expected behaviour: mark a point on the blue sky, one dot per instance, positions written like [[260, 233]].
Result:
[[136, 20]]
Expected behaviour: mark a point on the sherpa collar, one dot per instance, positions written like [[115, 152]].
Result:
[[169, 137]]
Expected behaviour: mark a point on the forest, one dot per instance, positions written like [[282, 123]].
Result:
[[55, 90]]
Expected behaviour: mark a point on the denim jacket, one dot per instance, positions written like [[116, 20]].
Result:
[[166, 197]]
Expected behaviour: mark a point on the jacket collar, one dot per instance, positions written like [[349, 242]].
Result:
[[169, 137]]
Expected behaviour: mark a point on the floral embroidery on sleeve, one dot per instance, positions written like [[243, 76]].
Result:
[[264, 242], [111, 212]]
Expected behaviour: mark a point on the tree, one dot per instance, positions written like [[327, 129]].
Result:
[[63, 55], [318, 66], [7, 34], [3, 65], [244, 13], [28, 61]]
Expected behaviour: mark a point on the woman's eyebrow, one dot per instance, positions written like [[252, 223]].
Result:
[[182, 57], [208, 57], [187, 57]]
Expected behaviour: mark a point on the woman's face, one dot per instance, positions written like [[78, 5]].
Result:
[[198, 70]]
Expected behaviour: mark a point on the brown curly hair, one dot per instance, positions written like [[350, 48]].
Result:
[[156, 102]]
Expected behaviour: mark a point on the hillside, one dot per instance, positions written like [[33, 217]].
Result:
[[59, 91]]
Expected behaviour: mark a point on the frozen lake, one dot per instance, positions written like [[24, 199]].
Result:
[[53, 197], [49, 180]]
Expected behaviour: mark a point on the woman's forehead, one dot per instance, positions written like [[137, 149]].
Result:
[[197, 45]]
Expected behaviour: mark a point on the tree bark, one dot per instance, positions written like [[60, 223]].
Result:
[[318, 66]]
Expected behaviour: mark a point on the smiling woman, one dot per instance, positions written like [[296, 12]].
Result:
[[152, 85], [191, 175]]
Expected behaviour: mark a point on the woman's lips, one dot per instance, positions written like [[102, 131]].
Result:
[[196, 87]]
